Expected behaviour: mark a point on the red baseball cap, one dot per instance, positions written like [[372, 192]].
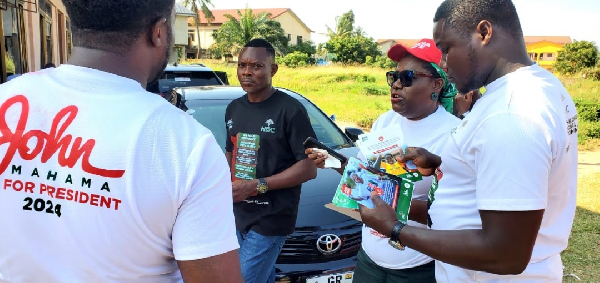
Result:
[[424, 50]]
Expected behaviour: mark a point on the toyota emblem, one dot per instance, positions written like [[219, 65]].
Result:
[[329, 244]]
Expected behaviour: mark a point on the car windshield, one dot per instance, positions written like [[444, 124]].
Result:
[[173, 79], [211, 114]]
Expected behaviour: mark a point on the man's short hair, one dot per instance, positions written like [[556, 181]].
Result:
[[465, 15], [114, 25], [259, 42]]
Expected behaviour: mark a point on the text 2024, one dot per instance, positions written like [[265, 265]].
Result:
[[42, 205]]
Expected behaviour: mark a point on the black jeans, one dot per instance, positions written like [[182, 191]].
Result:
[[367, 271]]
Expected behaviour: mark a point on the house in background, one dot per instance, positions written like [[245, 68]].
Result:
[[35, 32], [180, 31], [293, 27], [386, 44], [544, 49]]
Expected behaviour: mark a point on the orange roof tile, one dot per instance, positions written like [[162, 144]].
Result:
[[555, 39], [220, 14], [405, 42]]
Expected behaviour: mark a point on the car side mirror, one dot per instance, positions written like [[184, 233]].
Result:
[[353, 133]]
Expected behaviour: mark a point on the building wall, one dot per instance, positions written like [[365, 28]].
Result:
[[293, 28], [386, 46], [544, 53], [180, 30], [58, 31]]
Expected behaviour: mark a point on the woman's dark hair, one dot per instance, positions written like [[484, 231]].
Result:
[[431, 70], [114, 25]]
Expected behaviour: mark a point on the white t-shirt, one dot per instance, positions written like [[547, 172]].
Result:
[[429, 133], [108, 182], [515, 151]]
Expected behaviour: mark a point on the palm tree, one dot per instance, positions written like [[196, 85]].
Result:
[[344, 26], [237, 31], [198, 6]]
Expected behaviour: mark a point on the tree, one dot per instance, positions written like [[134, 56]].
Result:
[[235, 33], [344, 26], [352, 49], [197, 6], [576, 56], [350, 44], [306, 47]]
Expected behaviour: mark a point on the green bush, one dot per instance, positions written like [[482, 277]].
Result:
[[375, 90], [587, 111], [295, 59], [588, 130], [366, 122], [384, 62], [593, 73]]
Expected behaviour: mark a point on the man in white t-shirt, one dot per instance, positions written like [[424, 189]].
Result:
[[505, 204], [102, 181]]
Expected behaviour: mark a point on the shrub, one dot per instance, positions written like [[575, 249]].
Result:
[[295, 59], [366, 122], [375, 90], [384, 62], [587, 111], [588, 130], [593, 73]]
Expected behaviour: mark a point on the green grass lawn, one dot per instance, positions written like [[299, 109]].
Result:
[[360, 94], [582, 256]]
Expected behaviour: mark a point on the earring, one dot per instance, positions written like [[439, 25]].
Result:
[[434, 96]]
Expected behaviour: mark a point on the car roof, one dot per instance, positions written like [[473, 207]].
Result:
[[222, 92], [196, 67]]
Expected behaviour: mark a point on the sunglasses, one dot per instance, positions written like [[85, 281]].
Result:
[[406, 77]]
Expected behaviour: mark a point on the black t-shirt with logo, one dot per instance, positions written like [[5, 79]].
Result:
[[265, 139]]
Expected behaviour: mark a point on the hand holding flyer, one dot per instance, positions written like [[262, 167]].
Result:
[[359, 181], [381, 147]]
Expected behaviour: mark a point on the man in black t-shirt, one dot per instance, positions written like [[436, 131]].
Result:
[[265, 132]]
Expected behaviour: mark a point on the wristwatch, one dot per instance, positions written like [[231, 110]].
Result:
[[394, 240], [262, 186]]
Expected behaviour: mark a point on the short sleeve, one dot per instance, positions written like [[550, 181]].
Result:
[[228, 142], [297, 130], [513, 158], [205, 225]]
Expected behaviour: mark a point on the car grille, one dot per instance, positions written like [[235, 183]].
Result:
[[299, 248]]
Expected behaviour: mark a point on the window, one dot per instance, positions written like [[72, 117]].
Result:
[[46, 33], [61, 38], [289, 37], [549, 55], [541, 56], [299, 40], [69, 37]]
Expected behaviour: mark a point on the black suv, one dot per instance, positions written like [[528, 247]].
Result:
[[183, 75]]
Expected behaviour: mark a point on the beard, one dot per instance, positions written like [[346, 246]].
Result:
[[476, 78], [167, 54]]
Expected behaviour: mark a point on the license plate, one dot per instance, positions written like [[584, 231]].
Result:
[[345, 277]]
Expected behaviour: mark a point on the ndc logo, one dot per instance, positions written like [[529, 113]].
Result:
[[268, 128]]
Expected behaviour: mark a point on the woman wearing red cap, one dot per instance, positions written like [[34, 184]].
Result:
[[422, 103]]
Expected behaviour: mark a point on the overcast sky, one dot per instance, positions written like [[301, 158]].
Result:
[[579, 19]]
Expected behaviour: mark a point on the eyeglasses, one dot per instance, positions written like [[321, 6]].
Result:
[[406, 77]]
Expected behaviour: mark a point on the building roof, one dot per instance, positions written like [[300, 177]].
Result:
[[219, 15], [182, 10], [555, 39], [405, 42]]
